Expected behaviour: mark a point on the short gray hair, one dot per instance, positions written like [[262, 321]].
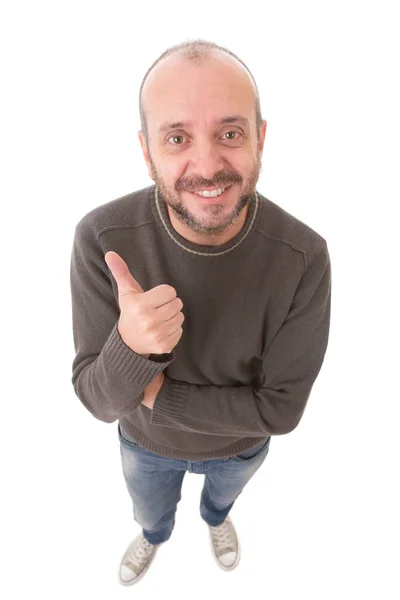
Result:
[[196, 51]]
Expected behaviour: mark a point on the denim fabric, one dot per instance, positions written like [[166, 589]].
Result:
[[154, 483]]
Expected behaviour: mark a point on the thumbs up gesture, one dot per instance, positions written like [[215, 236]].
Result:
[[150, 322]]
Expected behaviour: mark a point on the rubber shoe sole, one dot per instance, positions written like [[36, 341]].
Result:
[[137, 578]]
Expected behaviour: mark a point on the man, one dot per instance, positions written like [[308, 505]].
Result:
[[201, 309]]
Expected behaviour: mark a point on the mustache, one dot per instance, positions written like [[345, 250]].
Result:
[[191, 184]]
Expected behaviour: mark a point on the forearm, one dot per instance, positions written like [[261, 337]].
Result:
[[232, 411], [113, 384]]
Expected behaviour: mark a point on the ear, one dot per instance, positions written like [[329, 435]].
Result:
[[263, 131], [145, 153]]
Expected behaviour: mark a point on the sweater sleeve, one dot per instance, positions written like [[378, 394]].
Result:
[[108, 377], [289, 368]]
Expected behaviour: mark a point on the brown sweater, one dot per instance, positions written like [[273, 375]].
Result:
[[257, 314]]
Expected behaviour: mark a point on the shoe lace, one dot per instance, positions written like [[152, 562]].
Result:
[[139, 552], [222, 536]]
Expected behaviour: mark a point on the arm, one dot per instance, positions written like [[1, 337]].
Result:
[[290, 367], [108, 377]]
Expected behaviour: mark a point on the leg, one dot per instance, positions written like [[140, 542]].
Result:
[[224, 483], [154, 486]]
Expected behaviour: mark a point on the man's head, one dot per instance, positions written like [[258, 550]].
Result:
[[202, 129]]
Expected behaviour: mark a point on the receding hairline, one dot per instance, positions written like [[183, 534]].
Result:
[[213, 55], [199, 52]]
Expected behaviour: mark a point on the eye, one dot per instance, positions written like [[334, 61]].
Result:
[[230, 132], [175, 137]]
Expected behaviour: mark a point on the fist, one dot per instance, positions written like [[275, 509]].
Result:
[[150, 322]]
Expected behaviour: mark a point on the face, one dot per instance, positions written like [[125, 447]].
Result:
[[202, 135]]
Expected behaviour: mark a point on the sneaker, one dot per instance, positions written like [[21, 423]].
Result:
[[225, 545], [136, 560]]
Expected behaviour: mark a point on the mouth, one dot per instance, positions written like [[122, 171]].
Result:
[[217, 194]]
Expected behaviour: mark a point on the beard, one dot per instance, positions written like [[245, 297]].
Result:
[[171, 196]]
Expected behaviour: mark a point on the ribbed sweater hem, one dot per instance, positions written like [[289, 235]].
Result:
[[145, 442]]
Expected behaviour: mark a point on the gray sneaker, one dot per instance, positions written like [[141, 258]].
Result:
[[136, 560]]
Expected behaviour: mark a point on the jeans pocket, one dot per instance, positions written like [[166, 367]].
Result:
[[254, 452]]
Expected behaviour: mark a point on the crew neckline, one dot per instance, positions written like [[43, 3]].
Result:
[[162, 217]]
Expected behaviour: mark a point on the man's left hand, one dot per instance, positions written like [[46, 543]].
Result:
[[151, 391]]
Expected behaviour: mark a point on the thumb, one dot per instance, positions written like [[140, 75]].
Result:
[[125, 281]]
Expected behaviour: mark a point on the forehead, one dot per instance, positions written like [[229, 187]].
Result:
[[181, 90]]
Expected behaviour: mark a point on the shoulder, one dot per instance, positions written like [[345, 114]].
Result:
[[288, 231], [129, 210]]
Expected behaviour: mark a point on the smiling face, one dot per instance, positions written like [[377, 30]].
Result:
[[202, 135]]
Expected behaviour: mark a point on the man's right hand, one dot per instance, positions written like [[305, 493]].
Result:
[[150, 322]]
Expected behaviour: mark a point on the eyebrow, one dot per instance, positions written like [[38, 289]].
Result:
[[178, 124]]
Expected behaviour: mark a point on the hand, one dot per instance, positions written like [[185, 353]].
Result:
[[151, 391], [150, 322]]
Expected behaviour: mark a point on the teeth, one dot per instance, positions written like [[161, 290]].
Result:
[[211, 194]]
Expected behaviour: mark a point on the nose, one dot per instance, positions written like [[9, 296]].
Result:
[[207, 159]]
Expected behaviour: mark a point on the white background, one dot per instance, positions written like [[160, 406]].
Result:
[[320, 518]]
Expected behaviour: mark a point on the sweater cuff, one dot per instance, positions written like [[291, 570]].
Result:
[[132, 367], [170, 402]]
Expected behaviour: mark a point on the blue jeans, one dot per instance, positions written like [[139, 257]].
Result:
[[154, 483]]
